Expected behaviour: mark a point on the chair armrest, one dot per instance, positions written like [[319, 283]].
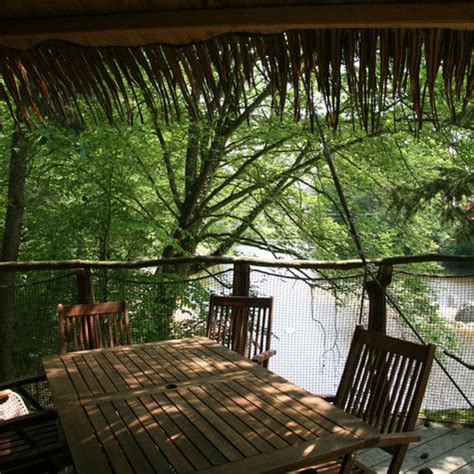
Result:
[[391, 439], [27, 420], [327, 397], [5, 394], [263, 356], [23, 381], [20, 386]]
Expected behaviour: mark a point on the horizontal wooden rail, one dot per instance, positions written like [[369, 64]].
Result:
[[209, 261], [186, 26]]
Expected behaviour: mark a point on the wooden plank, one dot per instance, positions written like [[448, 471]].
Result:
[[187, 25], [122, 371], [178, 437], [437, 448], [304, 454], [251, 403], [104, 377], [155, 389], [156, 432], [267, 404], [294, 409], [77, 380], [336, 415], [240, 419], [88, 376], [141, 436], [209, 431], [79, 433], [106, 437], [127, 441], [220, 418], [143, 366], [184, 359], [109, 368], [142, 377], [176, 374], [270, 430], [187, 424]]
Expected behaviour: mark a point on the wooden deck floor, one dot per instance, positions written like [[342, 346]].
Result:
[[443, 448]]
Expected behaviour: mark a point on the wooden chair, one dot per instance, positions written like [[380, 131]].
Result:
[[32, 442], [91, 326], [383, 383], [242, 324]]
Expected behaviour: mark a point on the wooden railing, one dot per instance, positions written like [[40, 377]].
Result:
[[379, 277]]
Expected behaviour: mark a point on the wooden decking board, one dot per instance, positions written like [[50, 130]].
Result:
[[175, 434], [435, 448], [456, 457], [449, 449], [465, 469]]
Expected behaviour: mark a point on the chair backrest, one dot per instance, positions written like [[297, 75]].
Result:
[[384, 380], [92, 326], [241, 323]]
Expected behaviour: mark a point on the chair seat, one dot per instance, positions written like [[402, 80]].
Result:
[[32, 441]]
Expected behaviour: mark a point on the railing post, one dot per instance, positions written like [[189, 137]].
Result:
[[85, 290], [240, 287], [377, 299], [241, 282]]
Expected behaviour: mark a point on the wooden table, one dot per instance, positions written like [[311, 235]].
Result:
[[192, 405]]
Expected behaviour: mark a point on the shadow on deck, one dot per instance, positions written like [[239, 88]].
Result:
[[444, 448]]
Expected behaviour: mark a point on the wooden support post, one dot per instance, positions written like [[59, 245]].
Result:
[[85, 290], [377, 299], [241, 283], [240, 287], [85, 295]]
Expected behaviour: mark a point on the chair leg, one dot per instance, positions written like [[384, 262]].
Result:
[[397, 460], [346, 464]]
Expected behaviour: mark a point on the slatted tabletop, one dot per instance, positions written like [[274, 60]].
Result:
[[191, 405]]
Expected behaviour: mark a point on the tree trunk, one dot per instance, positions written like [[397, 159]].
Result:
[[10, 246]]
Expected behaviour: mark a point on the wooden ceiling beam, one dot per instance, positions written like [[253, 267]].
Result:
[[181, 27]]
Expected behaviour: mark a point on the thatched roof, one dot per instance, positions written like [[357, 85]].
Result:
[[114, 54]]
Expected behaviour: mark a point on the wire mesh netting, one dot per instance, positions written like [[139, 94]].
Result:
[[441, 310], [314, 318]]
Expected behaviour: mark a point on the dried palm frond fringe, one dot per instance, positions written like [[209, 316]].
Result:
[[367, 65]]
